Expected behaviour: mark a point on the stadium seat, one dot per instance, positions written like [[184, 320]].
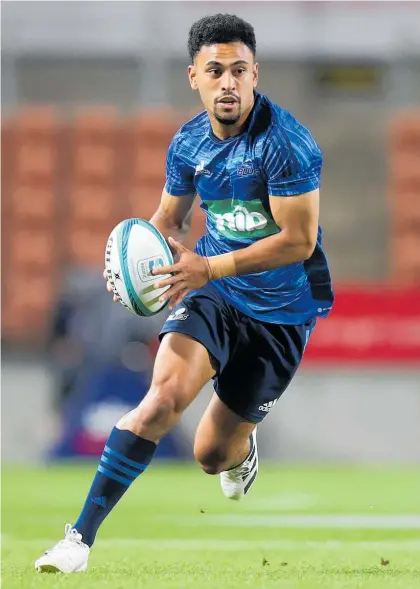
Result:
[[404, 198], [32, 204], [405, 132], [8, 139], [94, 162], [155, 126], [31, 250], [405, 167], [26, 306], [35, 161], [38, 122], [96, 124], [405, 211], [405, 257], [92, 204], [144, 198], [86, 248], [149, 164]]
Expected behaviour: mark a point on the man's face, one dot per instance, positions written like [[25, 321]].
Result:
[[225, 76]]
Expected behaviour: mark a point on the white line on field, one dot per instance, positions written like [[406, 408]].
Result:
[[228, 545], [354, 521], [282, 502]]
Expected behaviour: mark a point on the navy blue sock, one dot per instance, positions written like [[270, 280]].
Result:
[[124, 458]]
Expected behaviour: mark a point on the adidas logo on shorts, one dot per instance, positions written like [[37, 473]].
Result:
[[267, 406]]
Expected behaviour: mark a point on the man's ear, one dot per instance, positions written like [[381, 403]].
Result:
[[192, 76], [255, 74]]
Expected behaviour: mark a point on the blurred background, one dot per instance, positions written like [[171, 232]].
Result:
[[92, 93]]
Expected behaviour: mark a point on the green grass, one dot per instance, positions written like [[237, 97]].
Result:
[[172, 530]]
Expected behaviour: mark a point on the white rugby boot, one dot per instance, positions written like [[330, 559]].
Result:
[[237, 481], [68, 556]]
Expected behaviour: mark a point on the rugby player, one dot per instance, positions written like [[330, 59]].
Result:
[[245, 302]]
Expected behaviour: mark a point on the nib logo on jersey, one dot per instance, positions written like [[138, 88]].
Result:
[[235, 218], [241, 220]]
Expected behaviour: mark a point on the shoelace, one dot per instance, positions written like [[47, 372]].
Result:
[[70, 535]]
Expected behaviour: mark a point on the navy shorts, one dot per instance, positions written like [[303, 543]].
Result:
[[254, 361]]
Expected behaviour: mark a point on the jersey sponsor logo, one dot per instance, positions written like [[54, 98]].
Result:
[[178, 315], [240, 219], [266, 407], [200, 170], [235, 219]]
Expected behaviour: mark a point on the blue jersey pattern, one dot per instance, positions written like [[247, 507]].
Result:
[[275, 155]]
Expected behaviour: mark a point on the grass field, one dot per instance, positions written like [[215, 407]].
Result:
[[300, 528]]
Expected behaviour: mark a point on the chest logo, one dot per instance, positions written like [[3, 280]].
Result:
[[240, 219], [248, 169]]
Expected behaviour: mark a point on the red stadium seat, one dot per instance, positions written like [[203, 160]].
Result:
[[35, 161], [8, 141], [405, 133], [405, 255], [155, 126], [32, 249], [87, 247], [96, 124], [405, 167], [36, 122], [144, 199], [27, 306], [33, 204], [94, 162], [149, 164], [91, 204]]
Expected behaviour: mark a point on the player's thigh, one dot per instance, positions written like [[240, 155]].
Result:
[[261, 368], [219, 432], [182, 367], [194, 345]]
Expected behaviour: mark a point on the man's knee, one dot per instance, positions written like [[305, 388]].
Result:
[[213, 459], [161, 407], [164, 397]]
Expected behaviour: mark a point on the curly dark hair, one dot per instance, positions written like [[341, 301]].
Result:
[[220, 28]]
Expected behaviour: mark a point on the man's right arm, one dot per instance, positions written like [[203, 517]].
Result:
[[173, 217]]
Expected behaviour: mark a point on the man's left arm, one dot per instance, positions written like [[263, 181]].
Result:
[[297, 217]]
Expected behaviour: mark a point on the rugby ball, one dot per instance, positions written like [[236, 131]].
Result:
[[133, 249]]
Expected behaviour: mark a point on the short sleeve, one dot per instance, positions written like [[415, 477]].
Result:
[[179, 176], [293, 162]]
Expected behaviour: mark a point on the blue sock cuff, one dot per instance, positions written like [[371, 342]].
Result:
[[132, 447]]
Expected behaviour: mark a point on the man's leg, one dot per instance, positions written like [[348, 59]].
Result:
[[259, 370], [222, 440], [183, 366], [226, 444]]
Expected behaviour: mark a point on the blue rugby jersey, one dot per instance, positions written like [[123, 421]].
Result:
[[275, 155]]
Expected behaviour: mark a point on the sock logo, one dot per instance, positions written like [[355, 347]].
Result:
[[101, 501]]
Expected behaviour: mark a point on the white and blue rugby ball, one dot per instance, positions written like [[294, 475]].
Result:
[[133, 249]]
